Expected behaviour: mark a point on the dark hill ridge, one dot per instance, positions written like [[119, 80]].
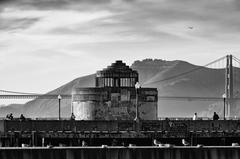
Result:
[[204, 82]]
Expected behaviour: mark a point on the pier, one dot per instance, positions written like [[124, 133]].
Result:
[[176, 152]]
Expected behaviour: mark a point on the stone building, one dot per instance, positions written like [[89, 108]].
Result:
[[115, 96]]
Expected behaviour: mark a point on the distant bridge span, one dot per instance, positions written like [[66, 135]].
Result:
[[67, 96], [232, 91]]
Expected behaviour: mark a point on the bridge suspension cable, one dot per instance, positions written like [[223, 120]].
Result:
[[38, 96], [188, 72], [67, 96], [14, 92], [236, 59]]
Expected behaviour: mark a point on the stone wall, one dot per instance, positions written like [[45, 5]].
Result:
[[114, 103]]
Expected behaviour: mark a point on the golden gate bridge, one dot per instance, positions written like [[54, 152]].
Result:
[[231, 88], [230, 63]]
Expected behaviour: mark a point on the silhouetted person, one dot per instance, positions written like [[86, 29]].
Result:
[[22, 118], [72, 117], [9, 116], [215, 116]]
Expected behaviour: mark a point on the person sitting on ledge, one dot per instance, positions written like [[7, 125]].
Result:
[[22, 118], [9, 116], [72, 117], [215, 116]]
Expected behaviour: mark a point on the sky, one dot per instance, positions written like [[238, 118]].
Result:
[[47, 43]]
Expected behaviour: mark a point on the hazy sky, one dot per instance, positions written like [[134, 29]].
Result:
[[46, 43]]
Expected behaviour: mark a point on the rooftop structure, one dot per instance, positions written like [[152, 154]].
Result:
[[115, 96], [116, 75]]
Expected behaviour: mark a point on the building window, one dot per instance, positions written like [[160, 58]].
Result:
[[151, 99]]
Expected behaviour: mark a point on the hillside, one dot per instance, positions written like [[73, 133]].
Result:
[[49, 107], [13, 108], [203, 82]]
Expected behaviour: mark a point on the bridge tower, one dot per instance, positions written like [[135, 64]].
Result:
[[230, 110]]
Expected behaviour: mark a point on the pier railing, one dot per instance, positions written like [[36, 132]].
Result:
[[120, 125]]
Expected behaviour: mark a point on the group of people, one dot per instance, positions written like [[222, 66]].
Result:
[[10, 117], [215, 116], [22, 117]]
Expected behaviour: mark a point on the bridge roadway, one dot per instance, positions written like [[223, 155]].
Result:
[[134, 152]]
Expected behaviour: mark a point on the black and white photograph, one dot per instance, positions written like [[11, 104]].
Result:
[[119, 79]]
